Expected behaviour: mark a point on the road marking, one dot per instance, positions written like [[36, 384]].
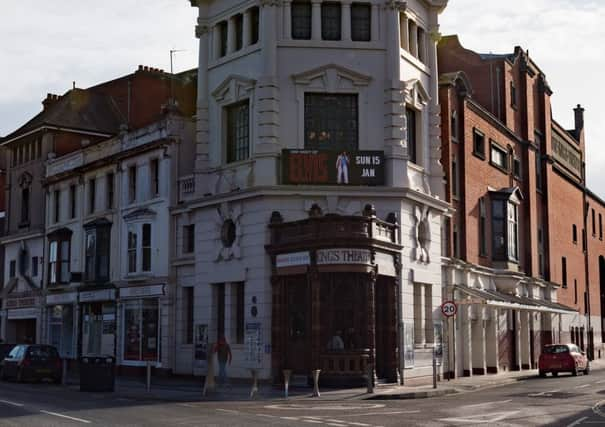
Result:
[[8, 402], [544, 393], [481, 419], [266, 415], [379, 413], [577, 422], [290, 418], [336, 425], [312, 421], [229, 411], [600, 382], [487, 403], [66, 416], [582, 386], [327, 407], [188, 405]]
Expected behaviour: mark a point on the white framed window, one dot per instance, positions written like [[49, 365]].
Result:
[[139, 248]]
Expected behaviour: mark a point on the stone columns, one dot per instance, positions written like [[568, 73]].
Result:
[[491, 339], [466, 339], [246, 29], [404, 35], [316, 19], [346, 20], [202, 138], [517, 340], [287, 20], [478, 341], [434, 168], [231, 36], [525, 340]]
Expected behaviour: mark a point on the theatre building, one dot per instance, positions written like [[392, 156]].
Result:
[[517, 261], [318, 193]]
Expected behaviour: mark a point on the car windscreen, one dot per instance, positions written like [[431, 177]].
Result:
[[36, 352], [554, 349], [15, 352]]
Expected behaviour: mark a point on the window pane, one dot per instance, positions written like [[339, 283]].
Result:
[[254, 24], [91, 248], [238, 142], [146, 247], [410, 116], [361, 22], [330, 21], [223, 28], [132, 252], [301, 20], [103, 247], [331, 122]]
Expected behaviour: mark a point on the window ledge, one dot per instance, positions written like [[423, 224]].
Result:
[[414, 61], [415, 166], [500, 168], [234, 55], [478, 155], [139, 275], [331, 44]]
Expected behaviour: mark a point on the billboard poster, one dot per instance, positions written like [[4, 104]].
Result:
[[322, 167], [408, 345], [254, 345], [201, 342], [438, 334]]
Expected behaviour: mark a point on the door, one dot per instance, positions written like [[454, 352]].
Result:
[[385, 316], [298, 344]]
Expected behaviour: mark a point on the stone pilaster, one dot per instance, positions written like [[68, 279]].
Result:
[[202, 139]]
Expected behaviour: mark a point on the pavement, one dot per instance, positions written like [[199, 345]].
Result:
[[190, 389]]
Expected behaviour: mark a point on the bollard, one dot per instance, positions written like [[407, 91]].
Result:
[[148, 376], [316, 382], [254, 390], [287, 373], [434, 369], [370, 377], [209, 384]]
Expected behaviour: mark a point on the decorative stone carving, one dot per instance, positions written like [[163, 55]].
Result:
[[228, 231], [422, 232]]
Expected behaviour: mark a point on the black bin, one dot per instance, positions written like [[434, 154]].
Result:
[[97, 373]]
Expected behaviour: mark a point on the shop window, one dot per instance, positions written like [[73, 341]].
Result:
[[498, 157], [238, 293], [188, 315], [98, 328], [330, 20], [478, 144], [188, 238], [132, 184], [238, 132], [155, 177], [98, 247], [57, 206], [412, 135], [331, 122], [505, 230], [564, 272], [301, 20], [72, 201], [61, 329], [92, 194], [223, 29], [238, 21], [254, 25], [482, 227], [141, 330], [109, 187], [59, 257], [12, 269], [361, 22]]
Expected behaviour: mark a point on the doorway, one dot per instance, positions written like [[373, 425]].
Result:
[[21, 331], [298, 346], [386, 334]]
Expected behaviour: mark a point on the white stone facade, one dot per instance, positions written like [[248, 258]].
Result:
[[273, 75]]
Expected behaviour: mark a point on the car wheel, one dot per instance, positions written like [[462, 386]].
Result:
[[541, 373], [555, 374], [574, 372], [587, 370]]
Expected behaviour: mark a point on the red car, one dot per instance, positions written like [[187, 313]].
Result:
[[557, 358]]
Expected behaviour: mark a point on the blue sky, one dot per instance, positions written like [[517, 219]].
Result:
[[45, 46]]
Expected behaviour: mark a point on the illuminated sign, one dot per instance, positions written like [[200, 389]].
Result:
[[318, 167]]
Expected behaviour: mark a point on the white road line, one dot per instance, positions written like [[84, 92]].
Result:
[[55, 414], [8, 402], [582, 386], [487, 403], [577, 422], [290, 418], [359, 424], [312, 421], [266, 415], [229, 411], [336, 425], [188, 405], [600, 382]]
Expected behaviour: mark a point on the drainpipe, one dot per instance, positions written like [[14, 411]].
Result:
[[590, 343]]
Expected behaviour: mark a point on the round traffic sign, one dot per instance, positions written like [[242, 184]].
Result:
[[449, 308]]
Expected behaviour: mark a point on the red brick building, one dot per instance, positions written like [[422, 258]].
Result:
[[519, 263]]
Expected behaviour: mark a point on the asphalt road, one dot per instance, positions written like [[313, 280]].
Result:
[[562, 401]]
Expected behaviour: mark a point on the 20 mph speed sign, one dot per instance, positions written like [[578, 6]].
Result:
[[449, 308]]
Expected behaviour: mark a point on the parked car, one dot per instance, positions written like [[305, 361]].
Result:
[[4, 350], [33, 362], [557, 358]]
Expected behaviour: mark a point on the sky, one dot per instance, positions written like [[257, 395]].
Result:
[[46, 46]]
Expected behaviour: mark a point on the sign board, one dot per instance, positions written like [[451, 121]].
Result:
[[344, 256], [22, 313], [438, 334], [101, 295], [63, 298], [142, 291], [320, 167], [449, 308], [254, 345], [386, 264], [292, 259], [20, 302]]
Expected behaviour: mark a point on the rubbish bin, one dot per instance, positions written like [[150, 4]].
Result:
[[97, 373]]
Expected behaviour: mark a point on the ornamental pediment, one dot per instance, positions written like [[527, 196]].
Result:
[[233, 88], [331, 78]]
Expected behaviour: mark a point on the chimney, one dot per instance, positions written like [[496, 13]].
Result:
[[51, 98], [578, 120]]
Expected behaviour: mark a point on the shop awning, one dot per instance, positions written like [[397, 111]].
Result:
[[499, 299]]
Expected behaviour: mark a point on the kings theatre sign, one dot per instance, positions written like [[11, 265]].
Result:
[[319, 167]]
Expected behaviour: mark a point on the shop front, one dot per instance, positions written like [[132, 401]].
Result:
[[61, 315], [140, 330], [335, 307], [98, 322], [22, 320]]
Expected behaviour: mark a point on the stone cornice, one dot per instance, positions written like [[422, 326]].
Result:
[[401, 6]]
